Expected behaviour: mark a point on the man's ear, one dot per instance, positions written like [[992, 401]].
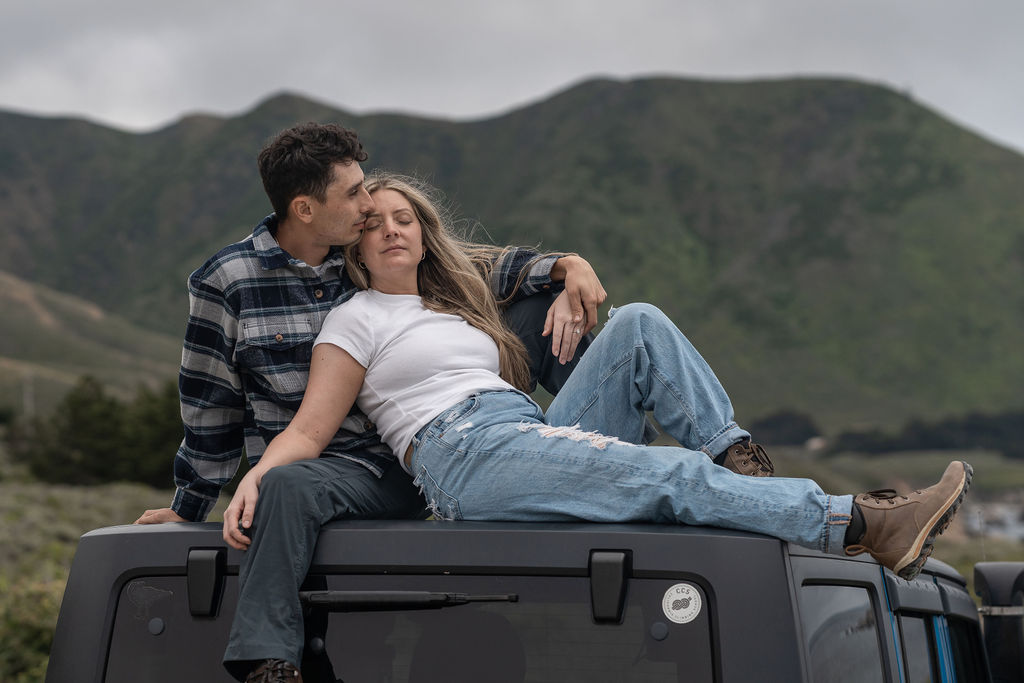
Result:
[[302, 208]]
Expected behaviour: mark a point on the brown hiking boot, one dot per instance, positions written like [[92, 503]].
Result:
[[274, 671], [899, 530], [746, 457]]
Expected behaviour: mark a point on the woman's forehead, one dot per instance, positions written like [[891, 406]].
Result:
[[390, 200]]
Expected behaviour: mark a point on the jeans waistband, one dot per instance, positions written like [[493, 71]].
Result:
[[453, 412]]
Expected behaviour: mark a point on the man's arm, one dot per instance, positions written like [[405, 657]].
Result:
[[212, 408], [519, 272]]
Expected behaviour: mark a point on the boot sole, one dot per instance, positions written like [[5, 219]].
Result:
[[922, 549]]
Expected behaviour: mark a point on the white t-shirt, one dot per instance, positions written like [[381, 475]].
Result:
[[418, 362]]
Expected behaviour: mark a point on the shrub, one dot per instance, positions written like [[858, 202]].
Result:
[[786, 428], [152, 433], [992, 432], [28, 617], [94, 438]]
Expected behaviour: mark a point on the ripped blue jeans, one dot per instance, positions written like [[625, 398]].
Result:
[[641, 362], [495, 456], [492, 457]]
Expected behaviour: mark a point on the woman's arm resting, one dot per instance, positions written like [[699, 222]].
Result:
[[334, 381]]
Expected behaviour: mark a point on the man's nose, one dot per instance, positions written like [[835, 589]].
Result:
[[367, 206]]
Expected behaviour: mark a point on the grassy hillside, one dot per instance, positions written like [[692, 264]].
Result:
[[833, 247], [51, 338]]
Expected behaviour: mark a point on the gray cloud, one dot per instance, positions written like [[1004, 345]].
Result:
[[141, 65]]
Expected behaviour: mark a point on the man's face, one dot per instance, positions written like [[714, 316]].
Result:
[[338, 220]]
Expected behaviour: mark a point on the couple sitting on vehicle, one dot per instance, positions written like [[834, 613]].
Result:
[[422, 351]]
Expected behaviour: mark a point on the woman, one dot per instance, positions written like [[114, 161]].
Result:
[[423, 352]]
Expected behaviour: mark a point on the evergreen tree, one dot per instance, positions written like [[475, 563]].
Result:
[[94, 438], [152, 433]]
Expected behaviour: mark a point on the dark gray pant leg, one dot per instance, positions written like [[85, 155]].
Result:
[[295, 501], [526, 319]]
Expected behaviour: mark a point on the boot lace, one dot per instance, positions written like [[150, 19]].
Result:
[[758, 455], [888, 495], [273, 671]]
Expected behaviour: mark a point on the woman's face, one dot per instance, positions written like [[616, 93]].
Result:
[[392, 242]]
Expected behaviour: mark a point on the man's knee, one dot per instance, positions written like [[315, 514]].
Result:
[[336, 488], [294, 483], [527, 316]]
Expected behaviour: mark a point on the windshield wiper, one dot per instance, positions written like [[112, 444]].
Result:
[[370, 601]]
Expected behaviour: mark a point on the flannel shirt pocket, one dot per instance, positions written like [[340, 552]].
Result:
[[278, 351]]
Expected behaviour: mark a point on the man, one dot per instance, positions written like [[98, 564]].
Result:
[[255, 309]]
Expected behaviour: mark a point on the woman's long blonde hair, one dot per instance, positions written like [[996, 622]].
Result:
[[453, 276]]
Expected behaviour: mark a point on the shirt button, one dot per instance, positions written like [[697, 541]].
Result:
[[319, 294], [279, 337], [367, 425]]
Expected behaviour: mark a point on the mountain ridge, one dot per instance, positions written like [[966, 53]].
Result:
[[831, 246]]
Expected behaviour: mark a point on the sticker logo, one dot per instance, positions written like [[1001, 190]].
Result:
[[142, 596], [681, 603]]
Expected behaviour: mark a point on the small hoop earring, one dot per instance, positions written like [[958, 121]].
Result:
[[361, 264]]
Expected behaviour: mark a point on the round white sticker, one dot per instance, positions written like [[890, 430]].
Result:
[[681, 603]]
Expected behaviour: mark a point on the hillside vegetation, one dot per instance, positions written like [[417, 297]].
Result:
[[51, 339], [831, 246]]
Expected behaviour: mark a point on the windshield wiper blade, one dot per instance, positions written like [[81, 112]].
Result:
[[370, 601]]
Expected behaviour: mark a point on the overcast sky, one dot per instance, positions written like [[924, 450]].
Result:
[[139, 65]]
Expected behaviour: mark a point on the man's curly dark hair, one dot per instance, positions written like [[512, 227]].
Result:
[[301, 161]]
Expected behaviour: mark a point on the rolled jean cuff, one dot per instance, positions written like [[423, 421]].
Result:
[[727, 436], [837, 520]]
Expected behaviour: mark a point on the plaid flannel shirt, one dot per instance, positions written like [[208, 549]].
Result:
[[254, 312]]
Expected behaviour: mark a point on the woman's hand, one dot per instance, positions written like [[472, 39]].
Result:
[[239, 514], [562, 325], [574, 312]]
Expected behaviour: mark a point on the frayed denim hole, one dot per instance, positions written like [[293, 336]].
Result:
[[440, 504], [573, 433]]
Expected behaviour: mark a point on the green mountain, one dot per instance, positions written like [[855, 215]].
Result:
[[51, 338], [832, 247]]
